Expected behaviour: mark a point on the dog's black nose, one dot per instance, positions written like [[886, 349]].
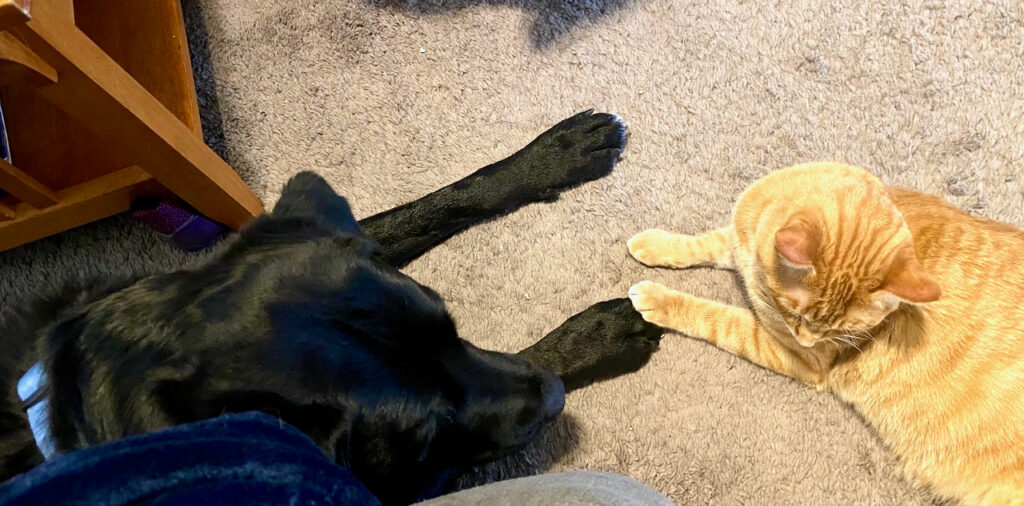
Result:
[[554, 397]]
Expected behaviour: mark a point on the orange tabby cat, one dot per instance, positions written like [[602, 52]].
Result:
[[844, 277]]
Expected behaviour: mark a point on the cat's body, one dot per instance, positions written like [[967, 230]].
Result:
[[844, 277]]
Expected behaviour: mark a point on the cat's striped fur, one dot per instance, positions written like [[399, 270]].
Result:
[[904, 306]]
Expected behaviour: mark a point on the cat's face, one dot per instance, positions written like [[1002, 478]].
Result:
[[815, 313], [836, 275]]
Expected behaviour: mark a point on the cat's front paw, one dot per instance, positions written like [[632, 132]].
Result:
[[648, 247], [650, 299]]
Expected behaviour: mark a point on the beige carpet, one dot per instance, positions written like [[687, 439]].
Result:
[[391, 100]]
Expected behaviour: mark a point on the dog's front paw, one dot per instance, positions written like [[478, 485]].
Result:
[[578, 149], [606, 340], [650, 299]]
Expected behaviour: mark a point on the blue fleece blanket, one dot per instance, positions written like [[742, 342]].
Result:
[[247, 458]]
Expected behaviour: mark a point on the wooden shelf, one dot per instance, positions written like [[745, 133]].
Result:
[[12, 12], [93, 200], [25, 187], [98, 96], [147, 39]]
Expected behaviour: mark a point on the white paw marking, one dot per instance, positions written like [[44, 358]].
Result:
[[637, 243], [645, 295]]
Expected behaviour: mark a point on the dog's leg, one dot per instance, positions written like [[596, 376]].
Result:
[[606, 340], [579, 149]]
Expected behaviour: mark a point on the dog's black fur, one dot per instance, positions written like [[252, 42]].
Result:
[[306, 316]]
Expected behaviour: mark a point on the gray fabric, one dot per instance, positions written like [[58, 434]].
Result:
[[557, 489], [717, 93]]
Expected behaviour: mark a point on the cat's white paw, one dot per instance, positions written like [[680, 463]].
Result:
[[646, 246], [648, 299]]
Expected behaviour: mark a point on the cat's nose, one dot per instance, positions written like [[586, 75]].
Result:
[[806, 339]]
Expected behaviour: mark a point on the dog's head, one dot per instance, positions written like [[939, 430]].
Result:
[[301, 318]]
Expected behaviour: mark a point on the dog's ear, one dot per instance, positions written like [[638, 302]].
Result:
[[307, 195], [388, 309]]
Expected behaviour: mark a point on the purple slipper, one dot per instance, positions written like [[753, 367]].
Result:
[[174, 219]]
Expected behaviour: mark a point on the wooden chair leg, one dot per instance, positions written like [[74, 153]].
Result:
[[98, 93]]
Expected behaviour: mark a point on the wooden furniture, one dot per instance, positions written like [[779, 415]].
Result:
[[100, 106]]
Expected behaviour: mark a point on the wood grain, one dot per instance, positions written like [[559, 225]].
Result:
[[19, 65], [49, 144], [55, 148], [54, 11], [90, 201], [147, 39], [24, 186], [6, 213], [46, 142], [103, 97], [13, 12], [89, 87]]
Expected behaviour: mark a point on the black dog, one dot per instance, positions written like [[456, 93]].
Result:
[[306, 316]]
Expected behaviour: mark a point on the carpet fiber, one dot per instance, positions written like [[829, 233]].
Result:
[[391, 99]]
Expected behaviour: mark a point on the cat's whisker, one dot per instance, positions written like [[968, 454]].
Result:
[[860, 329], [864, 335], [848, 340], [833, 342]]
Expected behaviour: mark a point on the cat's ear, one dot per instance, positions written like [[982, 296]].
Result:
[[798, 242], [797, 246], [908, 280]]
